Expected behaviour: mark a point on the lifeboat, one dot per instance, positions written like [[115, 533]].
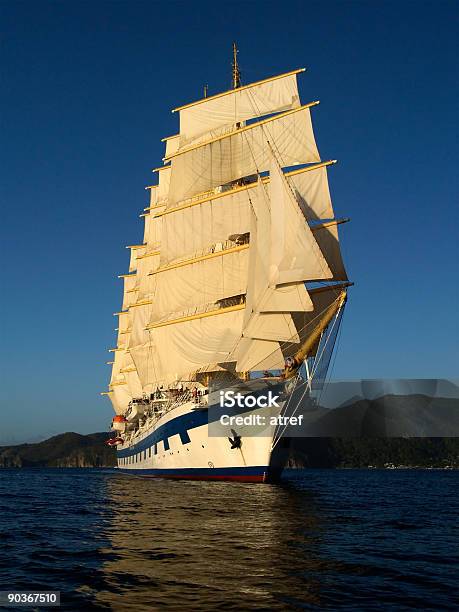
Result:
[[119, 423], [114, 441]]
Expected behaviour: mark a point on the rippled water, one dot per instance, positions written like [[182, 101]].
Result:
[[337, 539]]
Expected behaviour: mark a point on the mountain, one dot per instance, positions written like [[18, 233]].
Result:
[[374, 452], [65, 450]]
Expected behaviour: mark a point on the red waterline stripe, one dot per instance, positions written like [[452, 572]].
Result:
[[240, 478]]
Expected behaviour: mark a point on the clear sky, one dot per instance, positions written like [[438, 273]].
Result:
[[86, 93]]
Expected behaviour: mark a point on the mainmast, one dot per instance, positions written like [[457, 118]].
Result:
[[236, 71]]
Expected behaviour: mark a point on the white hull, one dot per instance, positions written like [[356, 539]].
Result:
[[178, 445]]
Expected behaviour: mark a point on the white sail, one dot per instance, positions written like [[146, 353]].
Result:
[[142, 356], [124, 321], [153, 232], [130, 374], [121, 395], [121, 343], [136, 251], [147, 265], [130, 291], [162, 190], [118, 386], [140, 347], [191, 344], [117, 376], [255, 354], [146, 230], [222, 275], [271, 326], [244, 152], [172, 144], [118, 407], [140, 319], [312, 193], [295, 255], [263, 297], [328, 241], [153, 189], [237, 105], [194, 229]]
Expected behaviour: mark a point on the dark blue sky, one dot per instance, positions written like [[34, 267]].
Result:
[[86, 93]]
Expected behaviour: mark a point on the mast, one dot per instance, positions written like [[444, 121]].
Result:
[[236, 71], [220, 277]]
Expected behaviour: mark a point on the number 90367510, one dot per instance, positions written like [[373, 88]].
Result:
[[30, 598]]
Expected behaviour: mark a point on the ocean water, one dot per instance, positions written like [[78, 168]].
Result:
[[332, 539]]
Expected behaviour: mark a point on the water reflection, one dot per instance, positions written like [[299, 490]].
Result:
[[339, 539], [197, 545]]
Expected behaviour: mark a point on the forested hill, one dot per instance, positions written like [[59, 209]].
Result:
[[65, 450], [375, 452]]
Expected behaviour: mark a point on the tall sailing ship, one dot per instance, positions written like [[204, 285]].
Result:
[[238, 285]]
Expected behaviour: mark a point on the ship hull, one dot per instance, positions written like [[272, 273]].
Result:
[[183, 445]]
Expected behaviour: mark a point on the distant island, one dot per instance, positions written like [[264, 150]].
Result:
[[69, 450], [72, 450]]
